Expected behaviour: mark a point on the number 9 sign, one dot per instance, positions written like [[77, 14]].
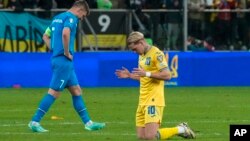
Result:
[[104, 22]]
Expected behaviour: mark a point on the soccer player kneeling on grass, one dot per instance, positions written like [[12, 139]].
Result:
[[151, 72], [59, 37]]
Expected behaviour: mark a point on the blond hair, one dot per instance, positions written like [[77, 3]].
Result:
[[134, 37]]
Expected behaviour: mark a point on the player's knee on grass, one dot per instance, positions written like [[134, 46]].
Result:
[[150, 136]]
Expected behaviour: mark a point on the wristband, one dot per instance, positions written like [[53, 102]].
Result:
[[148, 74]]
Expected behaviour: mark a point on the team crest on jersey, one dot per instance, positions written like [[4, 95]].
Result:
[[147, 62], [160, 58], [71, 20]]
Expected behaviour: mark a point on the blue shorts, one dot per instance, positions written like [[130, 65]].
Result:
[[63, 73]]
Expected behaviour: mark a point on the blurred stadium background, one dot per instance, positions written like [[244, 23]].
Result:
[[208, 44]]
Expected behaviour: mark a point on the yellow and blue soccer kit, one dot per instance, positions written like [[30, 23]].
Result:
[[151, 99]]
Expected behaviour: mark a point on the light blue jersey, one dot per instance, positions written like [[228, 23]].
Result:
[[59, 22], [63, 69]]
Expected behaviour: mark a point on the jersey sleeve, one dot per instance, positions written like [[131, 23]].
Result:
[[69, 22], [160, 60]]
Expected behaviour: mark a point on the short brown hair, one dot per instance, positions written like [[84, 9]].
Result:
[[83, 3], [134, 37]]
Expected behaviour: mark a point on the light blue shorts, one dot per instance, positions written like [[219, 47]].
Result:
[[63, 73]]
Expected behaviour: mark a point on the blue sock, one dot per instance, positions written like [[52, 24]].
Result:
[[44, 105], [81, 108]]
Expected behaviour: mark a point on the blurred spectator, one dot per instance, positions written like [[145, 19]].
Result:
[[241, 24], [157, 20], [173, 20], [46, 5], [92, 3], [15, 5], [234, 35], [104, 4], [196, 18], [247, 15], [29, 3], [208, 43], [142, 22], [224, 28], [1, 4], [209, 24], [194, 44], [64, 3], [122, 4], [5, 3], [135, 4]]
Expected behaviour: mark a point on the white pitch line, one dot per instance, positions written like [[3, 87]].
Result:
[[16, 110], [68, 134], [93, 133], [61, 123], [124, 123]]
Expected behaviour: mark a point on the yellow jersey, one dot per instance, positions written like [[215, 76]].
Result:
[[152, 90]]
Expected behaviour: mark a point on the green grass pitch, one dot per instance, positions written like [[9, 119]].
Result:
[[208, 110]]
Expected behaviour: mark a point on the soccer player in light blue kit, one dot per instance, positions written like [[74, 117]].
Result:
[[59, 37]]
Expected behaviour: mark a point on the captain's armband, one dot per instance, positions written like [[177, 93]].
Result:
[[47, 32]]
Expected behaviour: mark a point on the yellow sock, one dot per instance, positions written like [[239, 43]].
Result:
[[166, 133]]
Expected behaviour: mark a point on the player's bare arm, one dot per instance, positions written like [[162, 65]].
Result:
[[124, 73], [163, 74], [46, 39], [66, 38]]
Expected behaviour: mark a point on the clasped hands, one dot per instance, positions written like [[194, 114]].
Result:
[[124, 73]]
